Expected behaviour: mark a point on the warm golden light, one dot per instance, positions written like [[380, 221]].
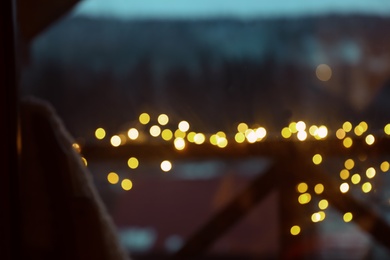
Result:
[[199, 138], [126, 184], [323, 72], [166, 166], [358, 130], [370, 139], [286, 132], [155, 130], [251, 136], [214, 139], [221, 134], [260, 133], [355, 179], [293, 127], [323, 204], [313, 130], [144, 118], [302, 135], [295, 230], [300, 126], [364, 126], [317, 159], [322, 131], [385, 166], [133, 133], [315, 217], [239, 137], [115, 140], [344, 174], [370, 172], [340, 133], [304, 198], [84, 161], [133, 162], [184, 126], [179, 143], [349, 164], [163, 119], [319, 188], [347, 126], [100, 133], [302, 187], [179, 134], [166, 134], [242, 127], [113, 178], [366, 187], [347, 142], [222, 142], [387, 129], [347, 217], [76, 147], [344, 187]]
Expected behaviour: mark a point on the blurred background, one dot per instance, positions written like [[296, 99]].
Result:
[[138, 83]]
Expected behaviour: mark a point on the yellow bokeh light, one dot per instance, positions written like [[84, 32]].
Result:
[[304, 198], [222, 142], [191, 137], [293, 127], [166, 166], [251, 136], [133, 162], [214, 139], [319, 188], [199, 138], [370, 139], [355, 179], [344, 174], [126, 184], [385, 166], [133, 133], [323, 72], [100, 133], [163, 119], [347, 142], [302, 135], [387, 129], [239, 137], [358, 130], [295, 230], [366, 187], [349, 164], [300, 126], [364, 126], [313, 130], [286, 132], [315, 217], [76, 147], [260, 133], [317, 159], [344, 187], [347, 126], [347, 217], [115, 140], [302, 187], [322, 131], [113, 178], [221, 134], [184, 126], [370, 172], [179, 134], [323, 204], [144, 118], [155, 130], [242, 127], [84, 161], [340, 133], [166, 134], [179, 143]]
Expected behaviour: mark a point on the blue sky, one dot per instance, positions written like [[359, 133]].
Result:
[[134, 9]]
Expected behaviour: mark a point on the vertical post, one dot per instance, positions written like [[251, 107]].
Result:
[[8, 124]]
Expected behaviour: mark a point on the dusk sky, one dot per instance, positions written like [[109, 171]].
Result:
[[135, 9]]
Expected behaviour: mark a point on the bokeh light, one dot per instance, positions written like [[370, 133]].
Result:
[[100, 133], [323, 72]]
